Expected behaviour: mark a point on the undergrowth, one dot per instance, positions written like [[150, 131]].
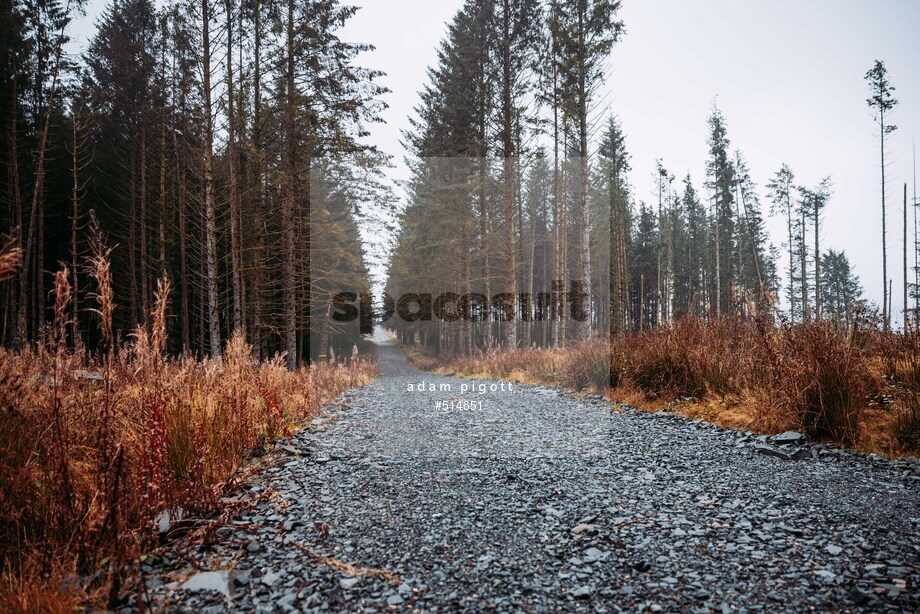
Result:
[[858, 387], [94, 448]]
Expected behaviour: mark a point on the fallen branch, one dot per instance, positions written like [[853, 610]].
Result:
[[348, 568]]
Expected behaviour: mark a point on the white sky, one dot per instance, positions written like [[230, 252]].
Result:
[[787, 74]]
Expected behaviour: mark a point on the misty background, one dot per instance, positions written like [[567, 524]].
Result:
[[787, 75]]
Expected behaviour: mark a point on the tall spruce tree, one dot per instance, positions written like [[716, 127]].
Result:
[[584, 32], [882, 102], [721, 174], [781, 189]]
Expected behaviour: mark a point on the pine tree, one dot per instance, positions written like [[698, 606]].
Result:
[[584, 32], [755, 264], [882, 102], [812, 204], [842, 292], [613, 176], [721, 174], [781, 189], [519, 40]]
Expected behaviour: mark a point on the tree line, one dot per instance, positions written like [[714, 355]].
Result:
[[199, 139], [520, 187]]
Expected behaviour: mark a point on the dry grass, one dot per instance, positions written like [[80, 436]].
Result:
[[858, 388], [93, 448]]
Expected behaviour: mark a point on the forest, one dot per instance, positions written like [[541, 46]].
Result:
[[198, 139], [520, 180], [520, 201]]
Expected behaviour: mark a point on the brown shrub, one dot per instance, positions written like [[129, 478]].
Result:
[[766, 375], [94, 449], [820, 381]]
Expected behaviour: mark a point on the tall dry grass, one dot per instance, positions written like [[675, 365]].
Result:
[[859, 387], [95, 447]]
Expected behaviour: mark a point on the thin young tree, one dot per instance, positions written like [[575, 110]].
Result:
[[721, 174], [780, 189], [882, 101], [234, 155], [813, 204], [906, 315], [210, 205]]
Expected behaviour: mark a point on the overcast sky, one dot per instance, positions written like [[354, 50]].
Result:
[[787, 75]]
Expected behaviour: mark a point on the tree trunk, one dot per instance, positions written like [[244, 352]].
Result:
[[583, 178], [817, 223], [791, 254], [508, 175], [183, 258], [15, 196], [718, 261], [257, 279], [180, 178], [886, 311], [36, 212], [288, 204], [233, 152], [209, 204], [803, 270], [74, 224], [132, 236], [145, 303]]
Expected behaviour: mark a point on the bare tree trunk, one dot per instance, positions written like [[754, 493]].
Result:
[[641, 302], [791, 253], [508, 174], [803, 273], [288, 204], [36, 212], [145, 304], [613, 255], [161, 257], [202, 287], [132, 237], [25, 277], [14, 193], [531, 278], [180, 178], [257, 255], [234, 179], [718, 262], [164, 161], [74, 223], [583, 178], [817, 204], [183, 258], [916, 244], [659, 282], [886, 301], [209, 204], [557, 208], [669, 269], [39, 318]]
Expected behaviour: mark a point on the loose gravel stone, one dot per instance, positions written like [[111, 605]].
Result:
[[544, 500]]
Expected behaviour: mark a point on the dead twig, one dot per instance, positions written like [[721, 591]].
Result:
[[348, 568]]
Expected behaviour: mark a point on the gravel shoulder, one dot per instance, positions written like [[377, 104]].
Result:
[[543, 501]]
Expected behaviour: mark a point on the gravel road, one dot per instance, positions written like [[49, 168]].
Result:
[[540, 501]]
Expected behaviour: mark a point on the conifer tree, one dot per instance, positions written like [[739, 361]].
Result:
[[882, 102]]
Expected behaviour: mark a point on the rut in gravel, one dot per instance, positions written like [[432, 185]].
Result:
[[541, 500]]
